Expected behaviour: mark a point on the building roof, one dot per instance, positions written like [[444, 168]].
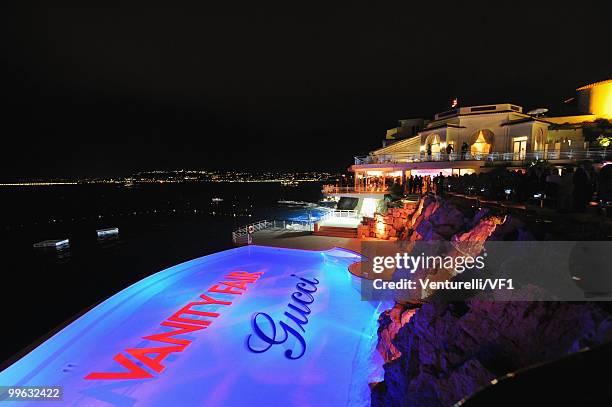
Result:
[[522, 120], [479, 109], [592, 85], [438, 126], [570, 119]]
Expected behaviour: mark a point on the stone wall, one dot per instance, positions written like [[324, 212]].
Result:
[[430, 219], [394, 225]]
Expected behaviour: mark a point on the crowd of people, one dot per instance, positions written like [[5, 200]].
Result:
[[568, 190], [419, 184]]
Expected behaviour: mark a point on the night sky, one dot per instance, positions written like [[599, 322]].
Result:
[[107, 91]]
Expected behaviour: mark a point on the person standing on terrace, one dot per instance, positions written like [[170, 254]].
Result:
[[439, 182], [566, 191], [419, 184], [582, 189], [464, 149], [449, 150]]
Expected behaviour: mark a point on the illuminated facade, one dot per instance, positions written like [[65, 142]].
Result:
[[460, 140], [596, 99], [477, 138]]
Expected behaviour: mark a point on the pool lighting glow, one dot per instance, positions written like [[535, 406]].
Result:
[[179, 337]]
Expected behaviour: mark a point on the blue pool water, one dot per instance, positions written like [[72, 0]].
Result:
[[306, 215], [214, 366], [296, 214]]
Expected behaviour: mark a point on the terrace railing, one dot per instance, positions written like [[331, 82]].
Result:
[[241, 236], [397, 158], [339, 213], [333, 189]]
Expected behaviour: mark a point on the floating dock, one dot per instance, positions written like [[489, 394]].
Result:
[[53, 244], [108, 232]]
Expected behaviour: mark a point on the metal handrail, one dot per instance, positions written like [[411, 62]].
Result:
[[332, 189], [339, 213], [572, 154], [243, 231], [239, 234]]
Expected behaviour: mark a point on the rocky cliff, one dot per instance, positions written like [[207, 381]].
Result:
[[447, 351], [439, 352]]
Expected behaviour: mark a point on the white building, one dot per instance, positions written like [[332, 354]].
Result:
[[485, 136], [481, 138]]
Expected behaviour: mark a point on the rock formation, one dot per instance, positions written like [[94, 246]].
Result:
[[439, 352], [450, 350]]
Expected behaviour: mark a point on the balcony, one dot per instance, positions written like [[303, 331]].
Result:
[[399, 158]]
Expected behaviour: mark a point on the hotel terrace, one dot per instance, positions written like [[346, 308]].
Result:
[[481, 138], [491, 135]]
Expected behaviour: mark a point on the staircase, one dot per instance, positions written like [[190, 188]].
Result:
[[336, 231]]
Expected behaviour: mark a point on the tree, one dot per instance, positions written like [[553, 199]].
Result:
[[604, 141], [599, 131]]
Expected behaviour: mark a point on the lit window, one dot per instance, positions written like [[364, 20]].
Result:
[[480, 146]]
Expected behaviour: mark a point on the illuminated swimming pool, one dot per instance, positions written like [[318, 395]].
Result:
[[253, 325]]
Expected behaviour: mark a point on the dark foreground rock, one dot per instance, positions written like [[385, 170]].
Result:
[[450, 350], [439, 352]]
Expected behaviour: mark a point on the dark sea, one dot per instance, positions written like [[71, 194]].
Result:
[[160, 225]]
